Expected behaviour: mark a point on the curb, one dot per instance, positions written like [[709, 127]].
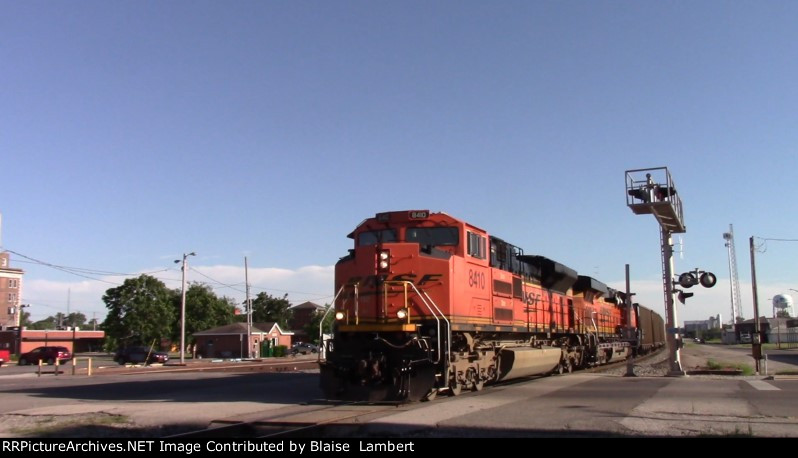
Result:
[[783, 377], [715, 372]]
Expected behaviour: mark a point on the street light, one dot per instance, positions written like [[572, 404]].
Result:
[[183, 308], [19, 314]]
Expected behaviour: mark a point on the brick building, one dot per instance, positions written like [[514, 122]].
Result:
[[10, 293], [301, 317], [77, 341], [230, 341]]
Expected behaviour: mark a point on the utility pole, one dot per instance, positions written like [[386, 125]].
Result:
[[630, 365], [249, 311], [183, 308], [756, 339]]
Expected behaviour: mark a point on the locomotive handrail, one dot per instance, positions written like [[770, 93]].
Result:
[[321, 324], [595, 326], [448, 329], [357, 302], [424, 298]]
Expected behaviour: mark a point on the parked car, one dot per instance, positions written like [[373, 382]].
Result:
[[304, 348], [5, 355], [47, 354], [139, 355]]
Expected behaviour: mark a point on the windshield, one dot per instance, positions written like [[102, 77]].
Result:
[[435, 236], [375, 237]]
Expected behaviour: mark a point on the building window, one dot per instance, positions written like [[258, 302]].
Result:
[[12, 298], [13, 283]]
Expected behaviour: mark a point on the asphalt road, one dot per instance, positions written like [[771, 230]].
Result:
[[147, 402], [151, 402]]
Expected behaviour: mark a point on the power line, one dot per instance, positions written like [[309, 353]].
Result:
[[80, 271], [262, 288], [762, 247], [225, 285]]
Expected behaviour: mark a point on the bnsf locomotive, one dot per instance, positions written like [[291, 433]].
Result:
[[427, 303]]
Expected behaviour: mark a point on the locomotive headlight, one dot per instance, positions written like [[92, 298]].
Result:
[[383, 260], [401, 314], [339, 316]]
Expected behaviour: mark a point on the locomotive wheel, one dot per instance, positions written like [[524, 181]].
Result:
[[561, 368], [478, 385], [433, 393], [569, 366], [455, 389]]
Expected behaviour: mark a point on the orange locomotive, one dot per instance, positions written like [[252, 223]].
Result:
[[426, 303]]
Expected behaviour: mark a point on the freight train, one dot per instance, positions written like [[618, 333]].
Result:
[[426, 303]]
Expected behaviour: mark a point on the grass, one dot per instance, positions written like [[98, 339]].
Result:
[[722, 365], [57, 425]]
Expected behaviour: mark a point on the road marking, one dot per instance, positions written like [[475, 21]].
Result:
[[763, 386]]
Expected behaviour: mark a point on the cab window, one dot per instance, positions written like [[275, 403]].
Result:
[[434, 236], [375, 237]]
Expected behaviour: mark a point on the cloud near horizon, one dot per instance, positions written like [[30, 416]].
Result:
[[308, 283], [315, 283]]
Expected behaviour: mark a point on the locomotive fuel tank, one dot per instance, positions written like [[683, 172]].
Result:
[[523, 362]]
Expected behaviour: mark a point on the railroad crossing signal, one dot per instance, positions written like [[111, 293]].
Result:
[[692, 278]]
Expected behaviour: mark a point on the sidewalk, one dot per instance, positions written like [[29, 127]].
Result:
[[695, 355]]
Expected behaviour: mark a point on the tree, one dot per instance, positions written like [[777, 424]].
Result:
[[139, 311], [24, 320], [783, 313], [312, 328], [204, 310], [268, 308], [47, 323], [75, 320]]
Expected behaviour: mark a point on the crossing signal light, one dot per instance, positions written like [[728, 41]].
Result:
[[708, 279], [688, 280], [684, 296]]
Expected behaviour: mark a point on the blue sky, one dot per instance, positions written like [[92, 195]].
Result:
[[133, 132]]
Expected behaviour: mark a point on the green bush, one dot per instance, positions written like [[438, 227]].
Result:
[[720, 365], [280, 350]]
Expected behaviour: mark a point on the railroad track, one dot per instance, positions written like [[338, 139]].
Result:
[[294, 421], [320, 418]]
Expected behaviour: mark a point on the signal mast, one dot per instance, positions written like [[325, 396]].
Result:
[[655, 194]]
